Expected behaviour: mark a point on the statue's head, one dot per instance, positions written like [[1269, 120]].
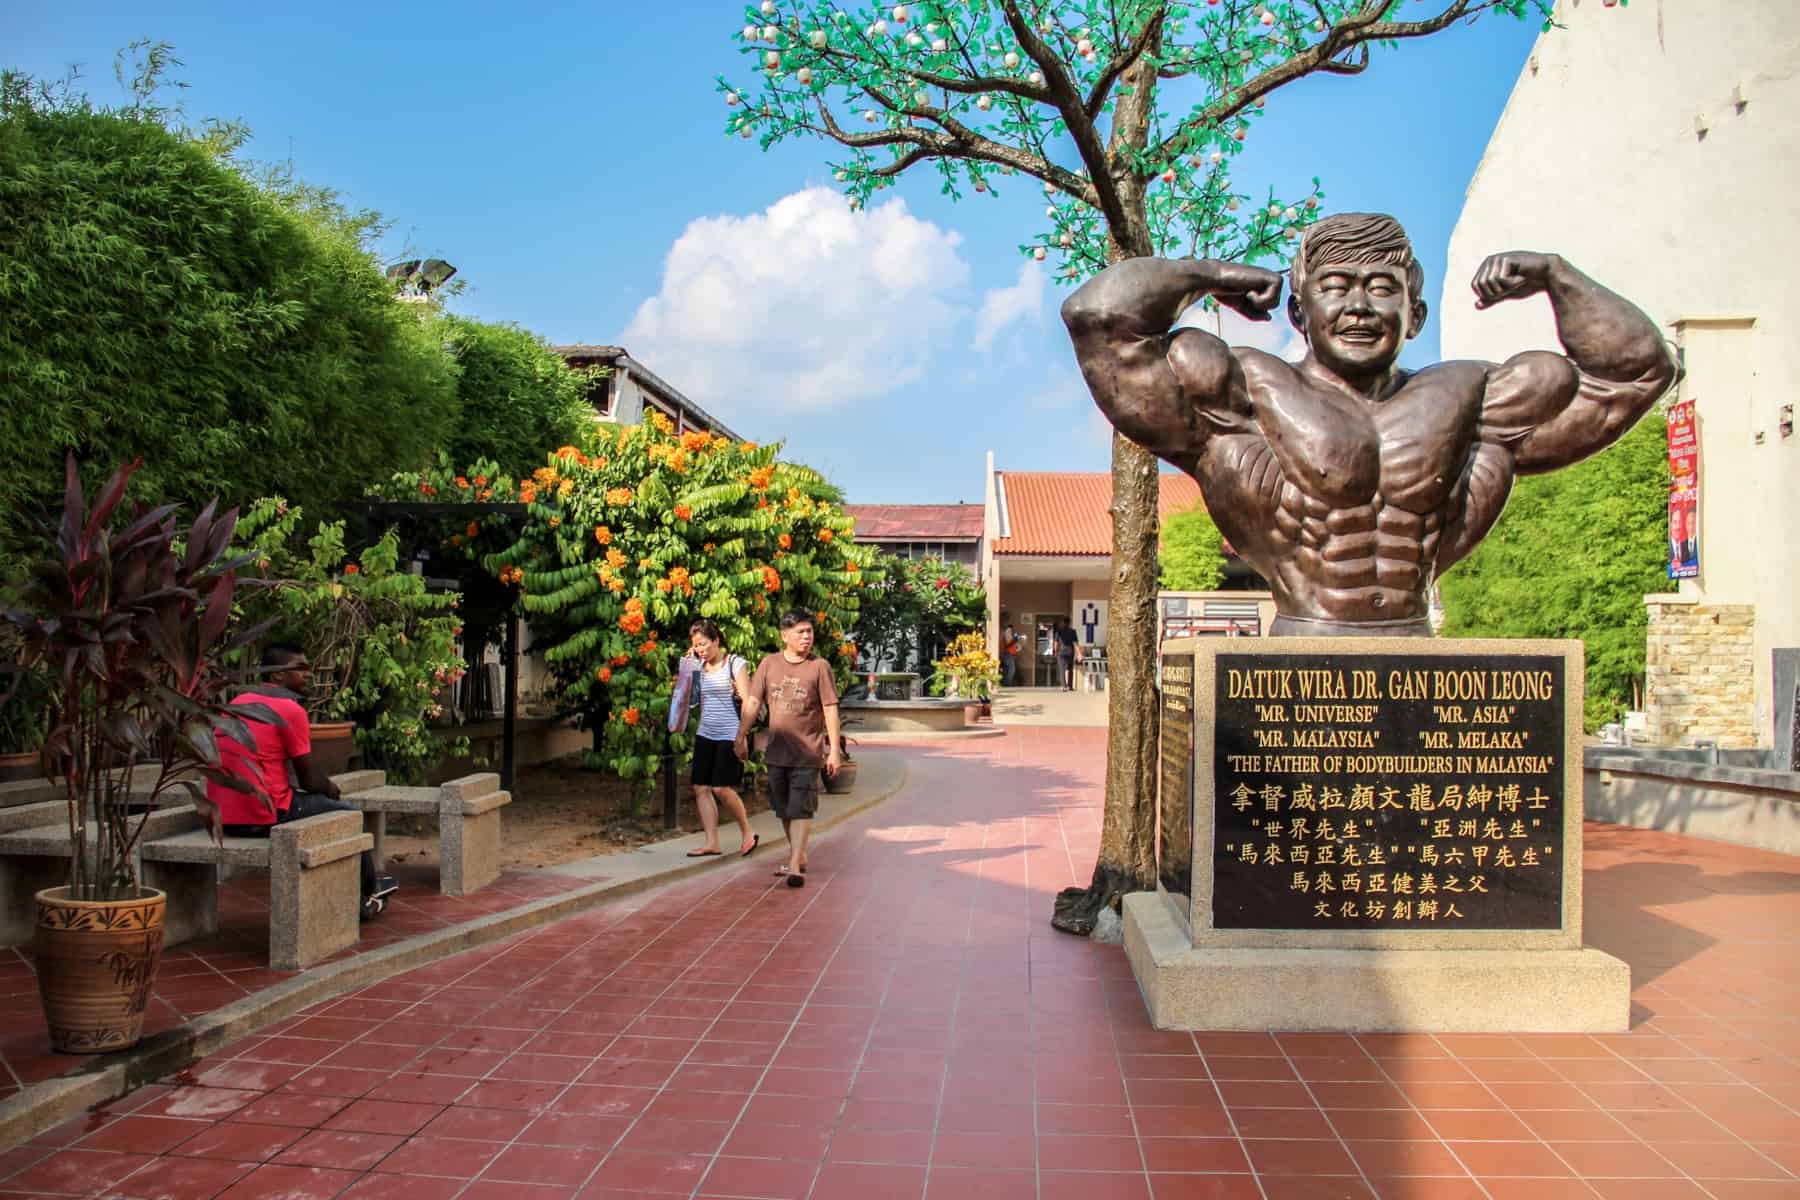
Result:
[[1358, 292]]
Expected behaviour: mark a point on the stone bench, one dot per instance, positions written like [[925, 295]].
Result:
[[315, 887], [895, 716], [467, 811], [35, 848]]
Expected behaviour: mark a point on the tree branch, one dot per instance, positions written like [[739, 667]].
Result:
[[1117, 66]]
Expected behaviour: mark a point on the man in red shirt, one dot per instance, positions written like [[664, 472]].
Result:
[[280, 743]]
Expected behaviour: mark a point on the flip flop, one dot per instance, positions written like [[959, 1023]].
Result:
[[755, 841], [796, 880], [702, 853], [781, 870]]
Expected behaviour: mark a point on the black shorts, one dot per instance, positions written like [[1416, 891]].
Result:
[[794, 792], [716, 764]]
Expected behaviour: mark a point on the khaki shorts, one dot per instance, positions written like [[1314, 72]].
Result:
[[794, 792]]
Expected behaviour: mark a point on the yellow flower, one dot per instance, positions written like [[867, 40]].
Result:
[[662, 422]]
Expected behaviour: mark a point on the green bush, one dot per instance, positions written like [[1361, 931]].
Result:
[[514, 394], [1190, 552], [1573, 556], [156, 302]]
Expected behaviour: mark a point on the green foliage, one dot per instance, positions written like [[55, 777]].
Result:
[[1191, 552], [915, 602], [383, 646], [1573, 556], [156, 302], [983, 91], [514, 394], [636, 532]]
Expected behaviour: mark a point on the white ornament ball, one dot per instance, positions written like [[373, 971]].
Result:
[[914, 40], [870, 116], [841, 176], [1011, 60], [932, 27], [772, 59], [817, 39], [1274, 210], [1268, 18], [939, 45], [731, 98], [1312, 202], [1216, 157], [1084, 47], [750, 32], [1318, 27], [1240, 134], [1051, 212], [804, 76], [1040, 254], [1067, 239], [1288, 214], [744, 133], [984, 102], [900, 14], [1036, 78], [1049, 189], [880, 28], [1169, 175], [1232, 204], [768, 7], [770, 33], [980, 186]]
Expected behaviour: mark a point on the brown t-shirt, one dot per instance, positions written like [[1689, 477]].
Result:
[[794, 695]]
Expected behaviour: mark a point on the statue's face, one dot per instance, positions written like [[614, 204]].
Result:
[[1357, 316]]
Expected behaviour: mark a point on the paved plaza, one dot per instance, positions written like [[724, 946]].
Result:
[[909, 1026]]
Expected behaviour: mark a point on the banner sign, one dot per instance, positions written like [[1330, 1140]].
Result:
[[1684, 493]]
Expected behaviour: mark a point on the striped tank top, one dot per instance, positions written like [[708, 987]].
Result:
[[718, 705]]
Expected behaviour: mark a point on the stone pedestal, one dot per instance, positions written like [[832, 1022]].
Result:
[[1371, 834]]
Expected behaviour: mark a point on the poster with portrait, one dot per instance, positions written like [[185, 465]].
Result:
[[1684, 492]]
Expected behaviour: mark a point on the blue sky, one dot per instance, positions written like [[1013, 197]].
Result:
[[571, 161]]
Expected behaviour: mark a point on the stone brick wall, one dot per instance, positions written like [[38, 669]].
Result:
[[1699, 673]]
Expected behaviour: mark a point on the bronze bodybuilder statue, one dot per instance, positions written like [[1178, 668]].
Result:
[[1349, 483]]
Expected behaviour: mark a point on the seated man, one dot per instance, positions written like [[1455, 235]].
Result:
[[278, 746]]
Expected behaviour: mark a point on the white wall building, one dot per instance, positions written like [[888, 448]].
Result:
[[1657, 147]]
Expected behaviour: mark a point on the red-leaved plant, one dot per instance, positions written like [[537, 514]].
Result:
[[131, 625]]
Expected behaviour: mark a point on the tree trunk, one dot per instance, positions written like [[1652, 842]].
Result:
[[1127, 861]]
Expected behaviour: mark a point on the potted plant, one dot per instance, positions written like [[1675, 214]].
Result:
[[23, 696], [128, 624], [967, 670], [382, 643]]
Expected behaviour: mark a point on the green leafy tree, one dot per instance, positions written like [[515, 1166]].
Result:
[[1128, 114], [158, 302], [1572, 557], [918, 604], [1192, 552], [514, 395]]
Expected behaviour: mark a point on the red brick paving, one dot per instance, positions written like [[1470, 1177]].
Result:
[[908, 1026], [196, 978]]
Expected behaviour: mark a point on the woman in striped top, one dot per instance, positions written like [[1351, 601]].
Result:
[[722, 685]]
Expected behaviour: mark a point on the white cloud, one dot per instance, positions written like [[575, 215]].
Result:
[[1000, 307], [802, 307]]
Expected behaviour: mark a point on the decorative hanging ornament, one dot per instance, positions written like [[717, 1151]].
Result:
[[984, 102], [1051, 212], [770, 33], [1049, 189], [1040, 254], [1011, 60], [939, 45], [772, 60], [731, 98], [817, 39], [1240, 134], [880, 28], [1036, 78], [1216, 157], [1268, 18], [1232, 204], [750, 32], [914, 40], [842, 176], [804, 76], [900, 14], [1084, 47], [870, 116], [768, 7], [1067, 239]]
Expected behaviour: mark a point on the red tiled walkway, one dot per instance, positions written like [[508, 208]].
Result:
[[908, 1026]]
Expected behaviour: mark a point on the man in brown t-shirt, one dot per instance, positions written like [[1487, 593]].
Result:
[[802, 700]]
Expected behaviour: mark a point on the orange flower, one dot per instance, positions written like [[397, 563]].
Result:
[[474, 529], [604, 674], [683, 512], [662, 422], [695, 441], [780, 554], [786, 540], [619, 660], [648, 648], [555, 521], [632, 716], [678, 575], [663, 585], [545, 476], [825, 535], [793, 494], [564, 488], [710, 547], [760, 477], [847, 650], [678, 462], [351, 568], [763, 502], [569, 452], [603, 535], [615, 585], [771, 580], [632, 622], [481, 481], [852, 567], [618, 495], [720, 441], [425, 489], [634, 605], [819, 618], [643, 562], [485, 494], [615, 558], [527, 492], [462, 483], [747, 447]]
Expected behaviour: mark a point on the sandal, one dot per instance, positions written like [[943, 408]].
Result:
[[796, 880], [702, 853], [755, 841], [781, 870]]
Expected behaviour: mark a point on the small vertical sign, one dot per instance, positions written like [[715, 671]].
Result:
[[1684, 492]]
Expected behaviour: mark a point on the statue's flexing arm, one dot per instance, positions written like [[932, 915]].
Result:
[[1166, 391]]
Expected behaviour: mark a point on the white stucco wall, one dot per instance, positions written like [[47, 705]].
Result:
[[1599, 156]]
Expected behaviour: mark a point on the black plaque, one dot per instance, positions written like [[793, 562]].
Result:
[[1175, 802], [1388, 791]]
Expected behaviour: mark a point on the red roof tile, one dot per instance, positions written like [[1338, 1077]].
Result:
[[916, 522], [1051, 512]]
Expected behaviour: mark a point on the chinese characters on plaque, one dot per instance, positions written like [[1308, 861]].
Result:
[[1387, 791]]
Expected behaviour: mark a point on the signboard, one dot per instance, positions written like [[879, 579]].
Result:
[[1175, 798], [1388, 792], [1684, 492], [1090, 623]]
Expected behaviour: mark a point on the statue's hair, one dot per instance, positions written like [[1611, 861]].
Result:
[[1357, 238]]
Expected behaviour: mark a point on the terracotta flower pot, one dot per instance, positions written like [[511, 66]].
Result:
[[20, 766], [96, 961], [333, 745], [843, 781]]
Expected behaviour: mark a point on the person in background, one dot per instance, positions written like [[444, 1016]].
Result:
[[797, 689], [279, 747], [1067, 651], [720, 684], [1009, 654]]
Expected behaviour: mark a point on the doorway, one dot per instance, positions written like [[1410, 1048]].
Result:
[[1044, 646]]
